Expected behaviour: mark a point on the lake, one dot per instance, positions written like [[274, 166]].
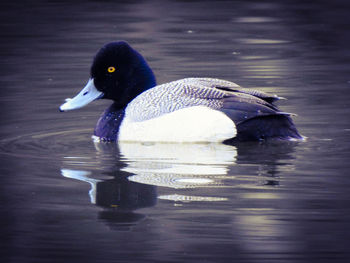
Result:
[[66, 198]]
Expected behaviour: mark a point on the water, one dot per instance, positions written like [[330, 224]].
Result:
[[65, 198]]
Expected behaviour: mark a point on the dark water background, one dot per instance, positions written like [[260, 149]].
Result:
[[66, 199]]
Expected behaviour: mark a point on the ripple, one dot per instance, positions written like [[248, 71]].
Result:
[[45, 145], [191, 198], [255, 19], [259, 41], [175, 181]]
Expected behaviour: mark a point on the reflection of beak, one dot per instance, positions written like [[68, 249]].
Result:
[[83, 176], [84, 97]]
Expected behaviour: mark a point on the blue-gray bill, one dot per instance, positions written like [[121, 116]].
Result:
[[88, 94]]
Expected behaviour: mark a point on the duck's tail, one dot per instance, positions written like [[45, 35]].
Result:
[[279, 126]]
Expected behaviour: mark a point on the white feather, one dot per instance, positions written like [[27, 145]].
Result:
[[192, 124]]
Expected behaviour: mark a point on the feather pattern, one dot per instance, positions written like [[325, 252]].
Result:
[[216, 94]]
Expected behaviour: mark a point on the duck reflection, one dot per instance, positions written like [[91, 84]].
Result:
[[135, 169], [129, 174]]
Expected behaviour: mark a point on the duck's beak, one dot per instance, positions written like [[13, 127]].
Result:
[[84, 97]]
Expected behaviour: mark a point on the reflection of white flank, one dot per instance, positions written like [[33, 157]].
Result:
[[185, 153], [195, 180], [177, 165], [176, 169], [83, 176], [189, 198], [176, 181]]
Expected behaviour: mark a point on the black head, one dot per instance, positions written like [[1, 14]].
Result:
[[121, 73]]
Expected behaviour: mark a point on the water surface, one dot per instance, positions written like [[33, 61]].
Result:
[[66, 198]]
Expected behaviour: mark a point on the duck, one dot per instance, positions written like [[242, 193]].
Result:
[[194, 109]]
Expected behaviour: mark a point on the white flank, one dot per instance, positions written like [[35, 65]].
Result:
[[192, 124]]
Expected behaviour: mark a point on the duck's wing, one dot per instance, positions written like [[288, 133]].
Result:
[[239, 104], [229, 86]]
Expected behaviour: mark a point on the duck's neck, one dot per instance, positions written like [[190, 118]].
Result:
[[107, 126]]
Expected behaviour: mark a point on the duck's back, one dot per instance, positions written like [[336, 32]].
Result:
[[250, 114]]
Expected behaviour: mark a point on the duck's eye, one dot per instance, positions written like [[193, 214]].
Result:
[[111, 69]]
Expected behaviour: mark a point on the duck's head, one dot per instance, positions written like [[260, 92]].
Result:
[[119, 73]]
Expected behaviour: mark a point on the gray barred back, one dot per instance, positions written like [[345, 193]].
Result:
[[176, 95], [188, 92]]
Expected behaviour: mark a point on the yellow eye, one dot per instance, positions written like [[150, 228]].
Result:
[[111, 69]]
